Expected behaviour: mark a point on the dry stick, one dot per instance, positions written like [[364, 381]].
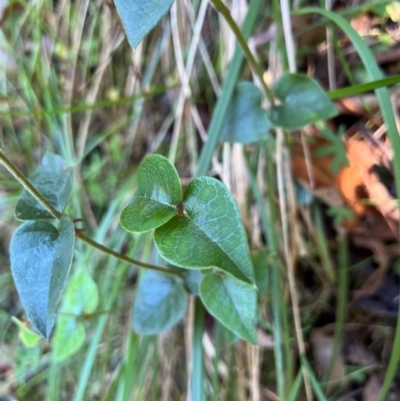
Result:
[[184, 80], [83, 130], [254, 372], [330, 51], [291, 54], [185, 92], [287, 32], [184, 71], [197, 25], [108, 46], [211, 74], [19, 176], [75, 45]]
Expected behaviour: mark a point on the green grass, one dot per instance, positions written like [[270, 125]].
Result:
[[75, 88]]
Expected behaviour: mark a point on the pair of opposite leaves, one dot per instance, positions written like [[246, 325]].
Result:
[[198, 229]]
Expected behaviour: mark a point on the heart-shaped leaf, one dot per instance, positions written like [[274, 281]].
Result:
[[303, 102], [80, 296], [209, 232], [246, 121], [158, 194], [54, 181], [68, 338], [41, 258], [140, 16], [160, 303], [232, 302]]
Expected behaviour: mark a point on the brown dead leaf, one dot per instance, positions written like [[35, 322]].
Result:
[[322, 343], [357, 105], [372, 389], [362, 23], [307, 35], [357, 185]]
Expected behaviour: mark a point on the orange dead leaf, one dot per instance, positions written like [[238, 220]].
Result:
[[357, 185]]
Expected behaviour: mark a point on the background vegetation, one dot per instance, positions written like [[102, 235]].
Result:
[[327, 270]]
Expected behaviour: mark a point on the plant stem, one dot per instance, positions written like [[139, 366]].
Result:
[[123, 257], [224, 11], [20, 177]]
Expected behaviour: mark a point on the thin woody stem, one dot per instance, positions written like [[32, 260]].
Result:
[[20, 177]]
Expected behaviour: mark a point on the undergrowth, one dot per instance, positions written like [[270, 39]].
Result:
[[70, 84]]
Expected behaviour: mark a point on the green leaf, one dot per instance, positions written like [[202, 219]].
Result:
[[160, 302], [208, 234], [41, 258], [303, 102], [28, 337], [191, 278], [232, 302], [358, 89], [140, 16], [54, 181], [261, 270], [81, 296], [246, 121], [158, 194], [335, 149], [68, 338]]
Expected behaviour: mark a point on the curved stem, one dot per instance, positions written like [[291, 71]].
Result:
[[224, 11], [123, 257], [19, 176]]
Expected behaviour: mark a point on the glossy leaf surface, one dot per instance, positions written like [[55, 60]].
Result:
[[54, 181], [246, 121], [232, 302], [140, 16], [303, 102], [160, 302], [41, 258], [210, 233], [156, 198]]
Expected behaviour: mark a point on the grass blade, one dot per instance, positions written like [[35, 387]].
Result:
[[382, 95]]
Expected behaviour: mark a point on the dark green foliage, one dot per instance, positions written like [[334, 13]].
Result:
[[41, 258]]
